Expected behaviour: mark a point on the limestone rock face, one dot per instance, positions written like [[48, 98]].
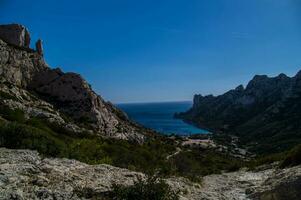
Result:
[[18, 98], [17, 66], [15, 34], [39, 47], [25, 72], [74, 96]]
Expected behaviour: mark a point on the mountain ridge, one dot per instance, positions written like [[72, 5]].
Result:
[[267, 106]]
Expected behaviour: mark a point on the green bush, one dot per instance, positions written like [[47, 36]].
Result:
[[292, 158], [16, 115], [19, 136], [150, 189], [88, 151], [265, 159], [195, 163]]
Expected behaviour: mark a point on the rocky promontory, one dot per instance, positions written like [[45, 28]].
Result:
[[63, 98], [265, 114]]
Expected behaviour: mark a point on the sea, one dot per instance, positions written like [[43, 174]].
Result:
[[159, 116]]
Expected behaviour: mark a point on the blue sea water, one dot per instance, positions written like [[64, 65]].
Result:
[[159, 116]]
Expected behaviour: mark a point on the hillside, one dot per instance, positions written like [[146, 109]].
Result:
[[61, 140], [28, 84], [265, 115]]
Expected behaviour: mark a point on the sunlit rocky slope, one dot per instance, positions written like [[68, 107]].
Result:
[[29, 84]]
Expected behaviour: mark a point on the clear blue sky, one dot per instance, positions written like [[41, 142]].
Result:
[[164, 50]]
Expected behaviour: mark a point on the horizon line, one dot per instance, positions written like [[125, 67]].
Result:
[[154, 102]]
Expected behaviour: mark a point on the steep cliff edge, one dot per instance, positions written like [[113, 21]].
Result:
[[266, 114], [29, 84]]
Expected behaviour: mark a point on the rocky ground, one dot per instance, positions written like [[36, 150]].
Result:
[[26, 175]]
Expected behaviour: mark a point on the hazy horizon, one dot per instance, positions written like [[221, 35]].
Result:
[[164, 51], [154, 102]]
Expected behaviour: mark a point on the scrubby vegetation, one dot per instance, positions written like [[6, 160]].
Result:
[[47, 139], [151, 189], [16, 115], [195, 163], [292, 158], [52, 140], [284, 159]]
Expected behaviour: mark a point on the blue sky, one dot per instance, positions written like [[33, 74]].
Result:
[[164, 50]]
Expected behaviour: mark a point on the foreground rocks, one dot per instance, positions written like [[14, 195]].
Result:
[[25, 175]]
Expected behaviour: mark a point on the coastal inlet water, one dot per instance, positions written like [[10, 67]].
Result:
[[159, 116]]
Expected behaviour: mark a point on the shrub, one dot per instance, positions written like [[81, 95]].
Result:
[[150, 189], [12, 115], [19, 136], [194, 163], [51, 139], [88, 151], [265, 159], [293, 157]]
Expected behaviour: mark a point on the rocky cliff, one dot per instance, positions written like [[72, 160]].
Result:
[[266, 113], [25, 175], [15, 34], [29, 84]]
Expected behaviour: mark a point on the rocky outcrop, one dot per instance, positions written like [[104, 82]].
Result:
[[33, 107], [71, 94], [24, 71], [283, 184], [15, 34], [39, 47], [267, 109], [18, 67], [25, 175]]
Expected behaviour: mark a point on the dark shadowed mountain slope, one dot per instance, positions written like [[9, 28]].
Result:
[[266, 114]]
